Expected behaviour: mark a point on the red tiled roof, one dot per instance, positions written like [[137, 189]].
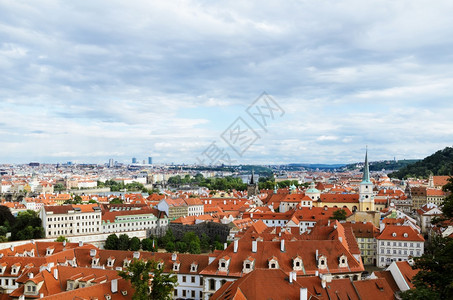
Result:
[[397, 233]]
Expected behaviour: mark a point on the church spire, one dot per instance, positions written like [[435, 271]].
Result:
[[251, 179], [366, 169]]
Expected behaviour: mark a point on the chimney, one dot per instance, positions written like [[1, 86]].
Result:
[[254, 246], [225, 245], [323, 282], [93, 252], [282, 245], [30, 275], [64, 243], [328, 223], [235, 246], [55, 273], [251, 216], [303, 293], [316, 253], [12, 248], [224, 202], [114, 286], [80, 243], [290, 277], [316, 273], [340, 239], [174, 257], [210, 201], [41, 295]]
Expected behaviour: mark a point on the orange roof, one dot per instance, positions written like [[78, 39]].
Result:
[[407, 272], [400, 233], [440, 180]]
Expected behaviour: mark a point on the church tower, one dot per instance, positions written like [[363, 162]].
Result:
[[252, 187], [366, 196]]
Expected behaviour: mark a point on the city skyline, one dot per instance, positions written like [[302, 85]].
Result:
[[90, 82]]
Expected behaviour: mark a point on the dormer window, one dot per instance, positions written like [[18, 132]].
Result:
[[15, 269], [95, 261], [110, 261], [297, 263], [31, 288], [193, 267], [70, 286], [405, 235], [160, 265], [343, 261], [322, 262], [223, 264], [126, 263], [176, 266], [394, 234], [273, 263], [248, 265], [49, 251]]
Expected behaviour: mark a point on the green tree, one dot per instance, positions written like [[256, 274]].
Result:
[[181, 247], [6, 217], [134, 244], [168, 237], [193, 242], [61, 239], [27, 226], [116, 201], [149, 281], [77, 199], [147, 244], [3, 230], [59, 187], [111, 243], [339, 214], [123, 242], [205, 242], [92, 201], [435, 279], [170, 246]]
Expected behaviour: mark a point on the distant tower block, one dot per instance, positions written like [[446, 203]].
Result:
[[134, 160], [150, 160]]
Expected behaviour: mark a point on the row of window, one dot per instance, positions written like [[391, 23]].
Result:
[[187, 293], [401, 244], [401, 252], [84, 217]]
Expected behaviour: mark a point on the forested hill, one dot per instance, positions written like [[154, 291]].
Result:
[[439, 163], [386, 164]]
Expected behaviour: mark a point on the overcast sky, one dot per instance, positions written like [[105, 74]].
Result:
[[86, 81]]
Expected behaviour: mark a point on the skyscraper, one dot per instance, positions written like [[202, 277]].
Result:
[[150, 160], [111, 163], [134, 160]]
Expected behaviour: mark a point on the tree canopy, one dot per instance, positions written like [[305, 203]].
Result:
[[435, 279], [439, 163], [149, 281], [339, 214]]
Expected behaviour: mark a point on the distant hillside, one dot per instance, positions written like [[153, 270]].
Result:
[[317, 166], [439, 163], [386, 164]]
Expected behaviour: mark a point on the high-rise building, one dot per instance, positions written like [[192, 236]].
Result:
[[111, 164], [134, 160], [150, 160]]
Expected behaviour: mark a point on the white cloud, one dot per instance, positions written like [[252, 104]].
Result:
[[101, 79]]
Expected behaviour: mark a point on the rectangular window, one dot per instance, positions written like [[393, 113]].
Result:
[[184, 279], [192, 280]]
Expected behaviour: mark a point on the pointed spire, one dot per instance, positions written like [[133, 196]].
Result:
[[251, 179], [366, 169]]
